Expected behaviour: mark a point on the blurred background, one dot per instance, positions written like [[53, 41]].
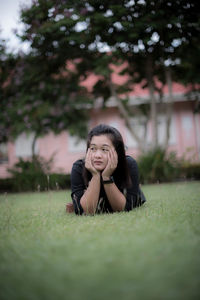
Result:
[[67, 66]]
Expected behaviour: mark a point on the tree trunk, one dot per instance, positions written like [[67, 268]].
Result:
[[126, 117], [169, 106], [33, 144], [153, 105]]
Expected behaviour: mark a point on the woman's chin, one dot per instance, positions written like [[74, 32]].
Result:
[[99, 168]]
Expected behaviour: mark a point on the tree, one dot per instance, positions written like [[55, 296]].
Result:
[[40, 91], [71, 39], [7, 65]]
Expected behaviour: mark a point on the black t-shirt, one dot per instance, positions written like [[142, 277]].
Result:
[[78, 188]]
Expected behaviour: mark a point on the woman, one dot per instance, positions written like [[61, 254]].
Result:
[[107, 180]]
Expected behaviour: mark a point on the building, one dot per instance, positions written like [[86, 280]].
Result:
[[65, 149]]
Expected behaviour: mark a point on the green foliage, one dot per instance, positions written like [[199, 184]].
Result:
[[29, 174], [190, 171], [149, 253], [59, 181], [6, 185], [158, 166], [34, 175], [53, 181], [8, 62]]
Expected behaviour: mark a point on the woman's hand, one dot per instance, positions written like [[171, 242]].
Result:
[[69, 207], [88, 163], [111, 165]]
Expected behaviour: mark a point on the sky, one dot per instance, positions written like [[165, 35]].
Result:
[[9, 20]]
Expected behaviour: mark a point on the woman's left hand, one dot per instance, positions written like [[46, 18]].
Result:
[[111, 164], [69, 207]]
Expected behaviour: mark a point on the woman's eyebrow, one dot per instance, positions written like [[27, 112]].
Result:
[[104, 145]]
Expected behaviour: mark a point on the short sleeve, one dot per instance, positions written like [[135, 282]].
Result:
[[77, 186], [132, 191]]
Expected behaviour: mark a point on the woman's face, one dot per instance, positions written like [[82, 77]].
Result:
[[100, 146]]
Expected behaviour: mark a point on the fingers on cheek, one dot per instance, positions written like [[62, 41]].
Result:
[[110, 156], [113, 156], [114, 153]]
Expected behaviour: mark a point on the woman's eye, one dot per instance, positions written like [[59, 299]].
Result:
[[92, 148], [105, 150]]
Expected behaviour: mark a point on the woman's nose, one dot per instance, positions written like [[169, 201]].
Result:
[[98, 153]]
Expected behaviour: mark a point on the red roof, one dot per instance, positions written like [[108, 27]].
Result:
[[137, 91]]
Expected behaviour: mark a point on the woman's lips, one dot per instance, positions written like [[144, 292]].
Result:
[[96, 162]]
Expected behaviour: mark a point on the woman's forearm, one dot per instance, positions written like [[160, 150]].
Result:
[[90, 198], [116, 199]]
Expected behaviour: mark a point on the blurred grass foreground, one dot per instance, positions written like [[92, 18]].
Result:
[[149, 253]]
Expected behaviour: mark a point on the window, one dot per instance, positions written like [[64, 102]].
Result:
[[140, 128], [187, 125], [162, 130], [23, 145], [76, 145], [114, 124], [3, 153]]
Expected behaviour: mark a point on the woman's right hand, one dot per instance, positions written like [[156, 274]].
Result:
[[88, 163]]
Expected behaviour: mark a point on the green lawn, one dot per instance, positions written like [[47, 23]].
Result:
[[152, 252]]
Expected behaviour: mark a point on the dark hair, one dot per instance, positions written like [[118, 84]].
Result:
[[121, 174]]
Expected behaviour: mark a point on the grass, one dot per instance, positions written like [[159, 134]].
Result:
[[149, 253]]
